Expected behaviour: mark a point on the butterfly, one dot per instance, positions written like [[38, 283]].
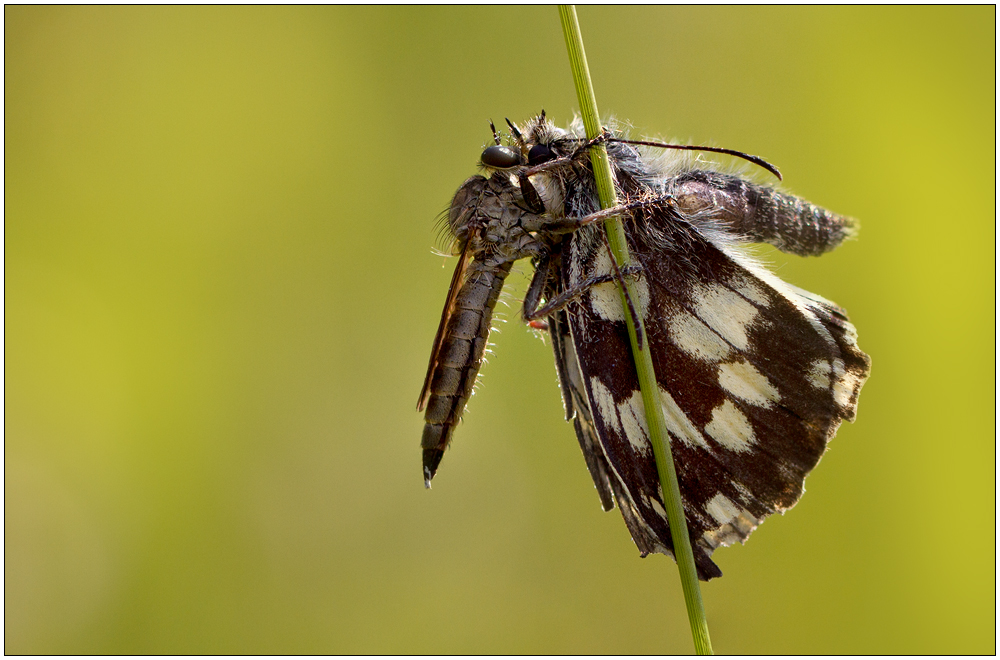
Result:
[[755, 375]]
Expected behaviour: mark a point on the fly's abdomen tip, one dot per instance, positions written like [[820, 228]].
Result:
[[432, 458]]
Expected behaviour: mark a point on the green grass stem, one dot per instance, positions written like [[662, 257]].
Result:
[[643, 361]]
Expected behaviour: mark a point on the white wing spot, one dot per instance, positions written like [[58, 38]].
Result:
[[819, 375], [726, 312], [850, 336], [656, 506], [822, 374], [792, 294], [741, 379], [605, 298], [844, 385], [735, 523], [731, 428], [627, 418], [695, 338], [605, 403], [749, 290], [633, 421], [722, 509], [678, 424]]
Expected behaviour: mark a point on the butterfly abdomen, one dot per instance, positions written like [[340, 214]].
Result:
[[762, 214]]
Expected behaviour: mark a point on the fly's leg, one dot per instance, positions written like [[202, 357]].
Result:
[[533, 313], [543, 275], [569, 225]]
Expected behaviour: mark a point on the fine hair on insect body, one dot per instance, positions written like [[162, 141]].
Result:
[[755, 375]]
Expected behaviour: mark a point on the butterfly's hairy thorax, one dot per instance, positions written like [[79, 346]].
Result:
[[755, 375]]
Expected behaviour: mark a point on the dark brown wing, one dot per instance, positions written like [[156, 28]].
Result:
[[449, 307], [577, 407], [755, 377]]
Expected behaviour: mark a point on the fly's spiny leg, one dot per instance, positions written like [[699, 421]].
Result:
[[559, 302]]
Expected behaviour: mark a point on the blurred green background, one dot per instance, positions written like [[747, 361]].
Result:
[[220, 297]]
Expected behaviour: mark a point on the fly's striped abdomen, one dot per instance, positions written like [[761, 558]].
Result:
[[460, 357]]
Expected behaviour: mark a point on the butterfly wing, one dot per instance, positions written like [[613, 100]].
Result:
[[577, 406], [755, 377]]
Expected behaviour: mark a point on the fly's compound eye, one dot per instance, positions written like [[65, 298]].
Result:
[[500, 157], [539, 154]]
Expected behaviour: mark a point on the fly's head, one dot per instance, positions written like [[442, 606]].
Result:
[[535, 160], [541, 141], [524, 185]]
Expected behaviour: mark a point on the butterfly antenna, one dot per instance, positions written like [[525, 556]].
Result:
[[496, 136], [756, 160]]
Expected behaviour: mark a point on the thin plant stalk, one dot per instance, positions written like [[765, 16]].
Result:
[[643, 360]]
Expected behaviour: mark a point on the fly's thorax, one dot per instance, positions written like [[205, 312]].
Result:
[[482, 203], [506, 235], [491, 214]]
